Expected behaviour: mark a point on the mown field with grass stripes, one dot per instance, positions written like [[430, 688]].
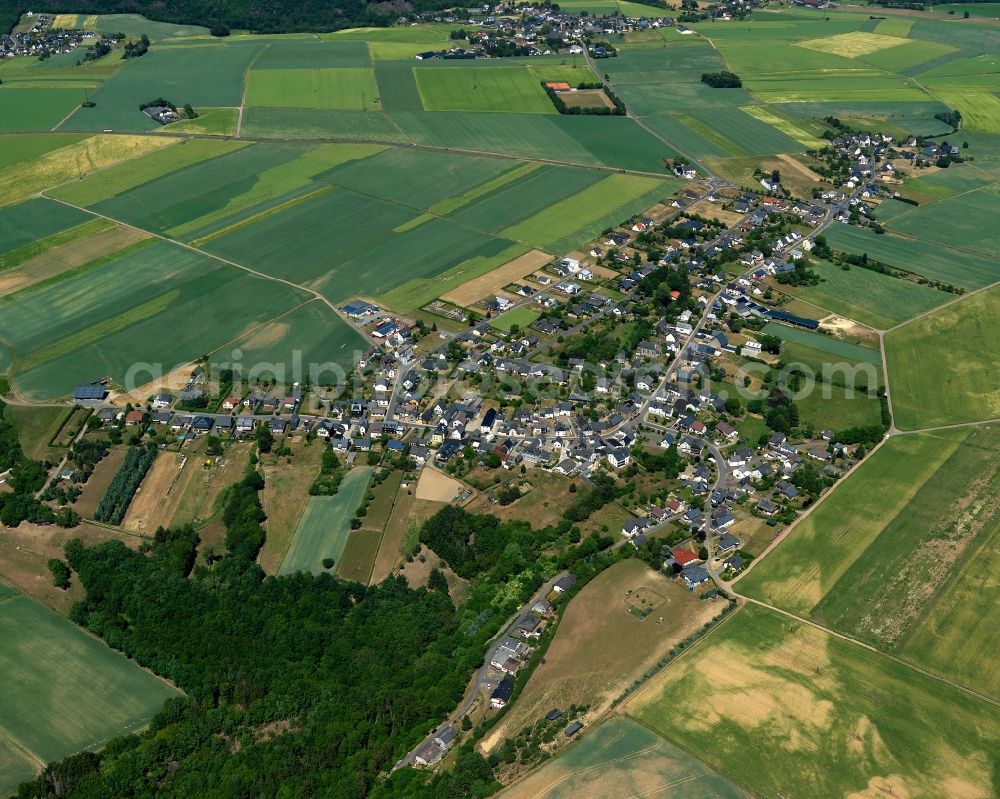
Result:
[[64, 690]]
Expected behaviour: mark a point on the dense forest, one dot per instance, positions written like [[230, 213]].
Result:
[[298, 686], [264, 16]]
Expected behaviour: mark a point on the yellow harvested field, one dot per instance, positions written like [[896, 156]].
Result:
[[476, 289], [159, 495], [711, 210], [854, 44], [437, 486], [72, 162], [62, 259], [66, 22]]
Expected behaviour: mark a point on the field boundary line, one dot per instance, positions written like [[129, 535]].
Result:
[[948, 304], [246, 83], [378, 96], [871, 648], [219, 258], [954, 426], [20, 747]]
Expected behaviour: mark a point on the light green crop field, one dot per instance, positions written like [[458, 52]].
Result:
[[901, 555], [514, 89], [585, 214], [323, 530], [944, 368], [918, 256], [107, 183], [64, 690], [624, 759], [834, 719], [840, 410], [870, 297], [99, 322], [338, 87], [522, 317], [316, 123]]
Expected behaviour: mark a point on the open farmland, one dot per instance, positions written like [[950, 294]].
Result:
[[202, 76], [471, 88], [627, 760], [902, 555], [917, 255], [944, 367], [871, 297], [324, 528], [834, 718], [101, 321], [339, 87], [48, 662], [577, 670]]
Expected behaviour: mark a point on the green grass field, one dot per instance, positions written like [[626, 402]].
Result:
[[958, 223], [833, 719], [324, 528], [209, 77], [358, 556], [522, 317], [24, 227], [943, 368], [918, 255], [17, 148], [475, 89], [24, 109], [36, 426], [869, 297], [338, 87], [626, 760], [576, 219], [64, 690], [839, 411]]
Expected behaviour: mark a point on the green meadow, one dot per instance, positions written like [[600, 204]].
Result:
[[944, 367], [64, 690], [325, 526]]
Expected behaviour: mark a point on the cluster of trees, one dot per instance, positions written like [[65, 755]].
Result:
[[125, 483], [951, 117], [605, 490], [352, 676], [722, 80], [801, 275], [136, 49], [327, 482], [26, 477], [279, 16], [669, 462]]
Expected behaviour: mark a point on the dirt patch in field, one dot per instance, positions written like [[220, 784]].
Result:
[[418, 570], [715, 211], [579, 668], [265, 336], [476, 289], [437, 486], [174, 380], [848, 330], [157, 499]]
